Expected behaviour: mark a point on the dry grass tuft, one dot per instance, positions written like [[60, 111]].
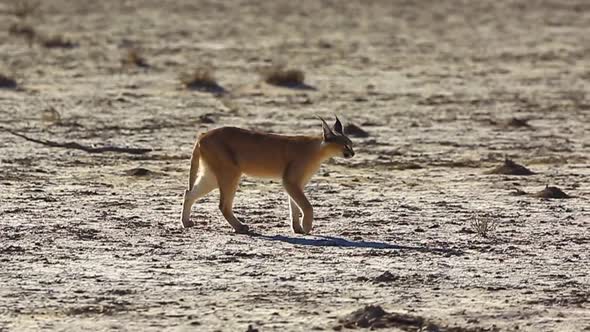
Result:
[[25, 8], [483, 226], [201, 79], [7, 82], [281, 76], [23, 30], [133, 57], [57, 41], [51, 116]]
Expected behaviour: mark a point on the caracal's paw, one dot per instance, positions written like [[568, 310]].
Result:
[[298, 230], [187, 223], [242, 229]]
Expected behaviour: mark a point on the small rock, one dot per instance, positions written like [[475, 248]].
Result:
[[251, 329], [206, 118], [355, 131], [386, 277], [139, 171], [7, 82], [552, 192], [518, 192], [516, 122], [509, 167]]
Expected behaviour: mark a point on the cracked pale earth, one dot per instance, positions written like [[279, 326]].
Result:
[[85, 244]]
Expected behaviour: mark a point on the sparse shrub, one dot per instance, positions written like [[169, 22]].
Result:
[[201, 79], [133, 57], [281, 76], [23, 30], [7, 82], [57, 41], [483, 226], [51, 116], [25, 8]]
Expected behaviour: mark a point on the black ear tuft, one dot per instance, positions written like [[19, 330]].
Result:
[[326, 129], [338, 126]]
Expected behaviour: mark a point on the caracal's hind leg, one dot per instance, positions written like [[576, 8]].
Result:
[[295, 215], [205, 183], [228, 185]]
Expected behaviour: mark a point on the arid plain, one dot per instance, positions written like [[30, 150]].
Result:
[[445, 90]]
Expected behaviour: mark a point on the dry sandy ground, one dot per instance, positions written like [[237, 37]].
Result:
[[87, 243]]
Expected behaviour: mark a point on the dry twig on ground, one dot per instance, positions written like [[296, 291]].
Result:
[[78, 146]]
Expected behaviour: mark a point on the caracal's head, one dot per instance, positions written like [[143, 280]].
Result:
[[336, 141]]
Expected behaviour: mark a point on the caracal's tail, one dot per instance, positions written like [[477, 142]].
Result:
[[194, 166], [189, 195]]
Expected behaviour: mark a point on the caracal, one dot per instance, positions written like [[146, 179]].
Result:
[[222, 155]]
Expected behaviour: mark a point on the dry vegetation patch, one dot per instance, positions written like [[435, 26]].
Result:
[[24, 8], [279, 75], [483, 226], [133, 57], [57, 41], [51, 116], [201, 79], [25, 30]]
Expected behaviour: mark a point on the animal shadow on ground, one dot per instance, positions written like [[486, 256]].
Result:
[[333, 241]]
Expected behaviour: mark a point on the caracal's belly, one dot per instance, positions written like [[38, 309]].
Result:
[[261, 170]]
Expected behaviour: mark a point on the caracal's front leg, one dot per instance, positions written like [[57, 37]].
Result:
[[296, 193], [295, 215]]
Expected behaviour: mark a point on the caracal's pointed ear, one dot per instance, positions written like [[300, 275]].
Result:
[[326, 129], [338, 126]]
